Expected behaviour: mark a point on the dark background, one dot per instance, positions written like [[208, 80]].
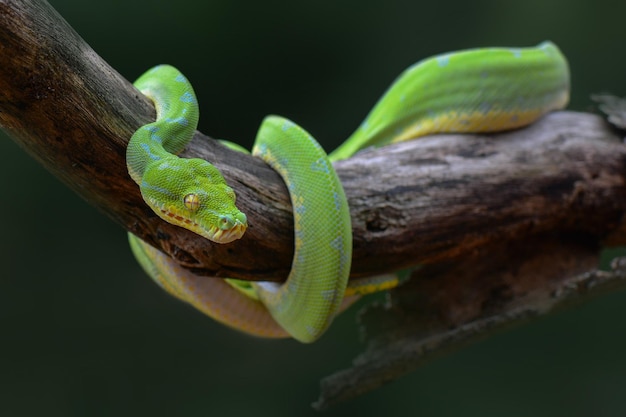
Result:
[[85, 333]]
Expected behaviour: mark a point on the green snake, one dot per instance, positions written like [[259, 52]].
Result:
[[476, 90]]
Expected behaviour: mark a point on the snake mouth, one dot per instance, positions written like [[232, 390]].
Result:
[[229, 235], [213, 233]]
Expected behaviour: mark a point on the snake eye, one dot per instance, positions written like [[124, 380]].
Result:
[[191, 202]]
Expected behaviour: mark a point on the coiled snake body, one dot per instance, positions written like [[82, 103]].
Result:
[[478, 90]]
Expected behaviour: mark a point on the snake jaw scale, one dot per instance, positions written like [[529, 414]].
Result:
[[229, 235], [213, 233]]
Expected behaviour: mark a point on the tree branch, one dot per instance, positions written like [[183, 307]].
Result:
[[446, 307]]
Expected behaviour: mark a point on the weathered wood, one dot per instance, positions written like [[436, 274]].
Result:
[[74, 114], [447, 306]]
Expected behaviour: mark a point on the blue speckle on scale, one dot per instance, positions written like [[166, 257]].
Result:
[[287, 125], [337, 244], [329, 295], [443, 60], [301, 259], [320, 165], [187, 98], [517, 53], [179, 120], [484, 107], [261, 149], [181, 78], [311, 330], [147, 149], [546, 47], [338, 202]]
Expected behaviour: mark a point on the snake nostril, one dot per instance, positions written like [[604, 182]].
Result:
[[226, 222], [241, 219]]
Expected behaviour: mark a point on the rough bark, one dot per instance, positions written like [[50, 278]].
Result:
[[447, 306]]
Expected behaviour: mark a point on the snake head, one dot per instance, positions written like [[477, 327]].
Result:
[[191, 193]]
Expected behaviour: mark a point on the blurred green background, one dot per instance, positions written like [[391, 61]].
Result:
[[85, 333]]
